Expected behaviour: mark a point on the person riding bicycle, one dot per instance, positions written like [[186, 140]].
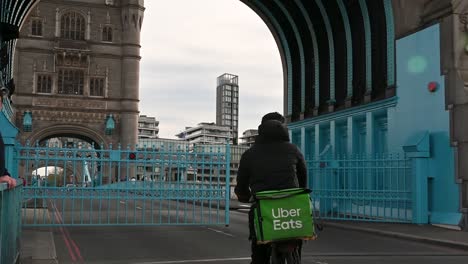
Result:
[[272, 163]]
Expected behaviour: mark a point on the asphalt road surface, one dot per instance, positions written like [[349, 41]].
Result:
[[195, 243]]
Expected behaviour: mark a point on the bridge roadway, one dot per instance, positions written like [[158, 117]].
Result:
[[223, 245]]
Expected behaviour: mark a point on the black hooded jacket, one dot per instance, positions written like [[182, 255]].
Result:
[[272, 163]]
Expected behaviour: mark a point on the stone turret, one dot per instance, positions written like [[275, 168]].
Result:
[[132, 21]]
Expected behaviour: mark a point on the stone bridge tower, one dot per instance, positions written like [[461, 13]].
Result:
[[77, 71]]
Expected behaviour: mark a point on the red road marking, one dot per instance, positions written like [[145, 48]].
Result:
[[67, 237]]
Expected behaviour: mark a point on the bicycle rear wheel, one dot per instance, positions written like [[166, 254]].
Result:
[[285, 254]]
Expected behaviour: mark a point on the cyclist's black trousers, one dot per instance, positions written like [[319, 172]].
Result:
[[260, 253]]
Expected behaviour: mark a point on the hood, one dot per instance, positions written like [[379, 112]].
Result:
[[271, 131]]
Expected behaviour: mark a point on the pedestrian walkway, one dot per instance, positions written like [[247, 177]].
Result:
[[37, 247], [439, 235]]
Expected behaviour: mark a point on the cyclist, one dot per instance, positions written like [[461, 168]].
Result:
[[272, 163]]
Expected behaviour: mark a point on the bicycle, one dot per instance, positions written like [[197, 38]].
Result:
[[286, 252]]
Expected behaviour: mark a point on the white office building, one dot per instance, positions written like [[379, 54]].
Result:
[[248, 137], [148, 127], [207, 133]]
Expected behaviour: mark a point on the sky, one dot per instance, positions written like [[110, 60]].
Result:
[[187, 44]]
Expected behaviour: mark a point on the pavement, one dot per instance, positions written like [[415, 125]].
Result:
[[441, 235], [38, 245]]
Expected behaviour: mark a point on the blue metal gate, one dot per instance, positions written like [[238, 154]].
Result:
[[363, 188], [155, 185]]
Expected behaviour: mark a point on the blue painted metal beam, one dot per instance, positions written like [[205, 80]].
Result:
[[368, 39], [14, 11], [331, 47], [349, 49], [390, 42], [301, 50], [316, 53]]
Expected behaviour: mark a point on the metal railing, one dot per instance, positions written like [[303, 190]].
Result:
[[150, 186], [363, 188], [10, 223]]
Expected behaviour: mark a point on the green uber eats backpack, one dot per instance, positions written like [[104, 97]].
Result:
[[283, 214]]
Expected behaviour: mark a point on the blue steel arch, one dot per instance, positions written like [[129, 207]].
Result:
[[14, 12], [275, 27]]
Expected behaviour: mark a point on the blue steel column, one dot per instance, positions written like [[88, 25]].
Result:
[[333, 137], [391, 129], [287, 52], [9, 133], [331, 47], [367, 28], [317, 141], [317, 180], [301, 51], [227, 181], [350, 138], [369, 133], [316, 54], [349, 51], [303, 140], [390, 43], [420, 194]]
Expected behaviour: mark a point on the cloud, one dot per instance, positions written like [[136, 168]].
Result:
[[187, 44]]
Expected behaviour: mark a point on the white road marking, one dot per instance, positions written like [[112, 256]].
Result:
[[138, 207], [244, 205], [219, 231], [194, 261]]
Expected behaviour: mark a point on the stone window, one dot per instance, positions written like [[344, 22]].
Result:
[[36, 27], [70, 81], [96, 86], [72, 26], [107, 34], [44, 83]]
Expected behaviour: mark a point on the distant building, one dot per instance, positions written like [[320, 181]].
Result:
[[204, 173], [207, 133], [148, 127], [248, 137], [162, 144], [153, 169], [227, 103], [79, 70]]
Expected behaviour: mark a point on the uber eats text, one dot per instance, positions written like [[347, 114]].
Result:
[[284, 219]]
